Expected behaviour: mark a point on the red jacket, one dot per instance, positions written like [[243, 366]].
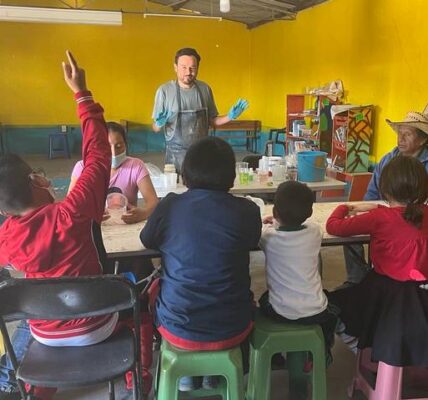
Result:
[[56, 239], [397, 248]]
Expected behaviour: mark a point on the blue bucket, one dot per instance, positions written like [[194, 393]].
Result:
[[311, 166]]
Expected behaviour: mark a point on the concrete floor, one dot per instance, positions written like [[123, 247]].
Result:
[[339, 373]]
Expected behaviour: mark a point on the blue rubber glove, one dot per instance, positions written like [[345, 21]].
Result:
[[130, 276], [238, 108], [162, 118]]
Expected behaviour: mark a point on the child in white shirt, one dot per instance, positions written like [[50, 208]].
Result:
[[291, 247]]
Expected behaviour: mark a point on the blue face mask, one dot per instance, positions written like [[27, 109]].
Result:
[[116, 161]]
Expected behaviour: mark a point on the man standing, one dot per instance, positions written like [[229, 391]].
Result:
[[185, 108], [412, 140]]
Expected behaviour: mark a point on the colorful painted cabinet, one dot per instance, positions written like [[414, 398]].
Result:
[[352, 135], [325, 124]]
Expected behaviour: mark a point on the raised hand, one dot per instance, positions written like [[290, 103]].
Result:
[[237, 109], [162, 118], [73, 75]]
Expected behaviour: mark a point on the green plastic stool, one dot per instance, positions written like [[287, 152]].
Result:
[[270, 337], [175, 363]]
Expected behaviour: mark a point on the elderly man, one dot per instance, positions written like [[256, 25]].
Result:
[[185, 108], [412, 140]]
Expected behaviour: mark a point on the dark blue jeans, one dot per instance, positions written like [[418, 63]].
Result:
[[21, 339]]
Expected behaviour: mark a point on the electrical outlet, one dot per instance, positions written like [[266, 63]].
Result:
[[64, 128]]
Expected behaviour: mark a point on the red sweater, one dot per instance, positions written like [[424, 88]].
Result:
[[397, 248], [56, 239]]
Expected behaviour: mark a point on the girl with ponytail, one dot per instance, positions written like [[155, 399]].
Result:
[[388, 310]]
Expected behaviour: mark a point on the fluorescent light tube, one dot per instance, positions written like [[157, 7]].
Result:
[[181, 16], [59, 15]]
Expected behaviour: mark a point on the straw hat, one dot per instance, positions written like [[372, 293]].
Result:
[[413, 119]]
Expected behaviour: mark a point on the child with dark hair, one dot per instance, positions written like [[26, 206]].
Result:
[[291, 246], [48, 239], [205, 236], [388, 310], [129, 174]]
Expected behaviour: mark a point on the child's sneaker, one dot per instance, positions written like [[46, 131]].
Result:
[[188, 383], [210, 382]]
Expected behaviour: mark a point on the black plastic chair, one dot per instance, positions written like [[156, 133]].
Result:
[[274, 138], [65, 299], [58, 145]]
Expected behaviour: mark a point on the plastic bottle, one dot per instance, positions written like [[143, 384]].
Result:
[[269, 148], [170, 176], [169, 168]]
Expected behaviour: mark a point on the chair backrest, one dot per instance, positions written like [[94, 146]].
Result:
[[65, 298], [359, 183], [240, 125]]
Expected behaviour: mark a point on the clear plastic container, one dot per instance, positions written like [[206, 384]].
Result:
[[242, 172], [263, 175], [170, 180], [116, 204], [279, 173]]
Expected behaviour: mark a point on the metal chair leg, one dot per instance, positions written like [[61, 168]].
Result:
[[111, 390]]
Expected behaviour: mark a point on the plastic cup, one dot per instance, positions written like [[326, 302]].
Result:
[[116, 204], [243, 176], [292, 174], [242, 172], [279, 173], [263, 176], [241, 164]]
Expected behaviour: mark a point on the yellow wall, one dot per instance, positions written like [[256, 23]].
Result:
[[377, 47], [124, 65]]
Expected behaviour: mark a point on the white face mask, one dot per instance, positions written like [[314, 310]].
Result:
[[116, 161]]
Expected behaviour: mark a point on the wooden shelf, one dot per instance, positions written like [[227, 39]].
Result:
[[295, 111]]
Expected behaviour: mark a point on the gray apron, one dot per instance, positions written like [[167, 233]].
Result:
[[191, 125]]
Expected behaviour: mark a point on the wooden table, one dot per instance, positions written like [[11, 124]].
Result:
[[124, 240], [256, 187]]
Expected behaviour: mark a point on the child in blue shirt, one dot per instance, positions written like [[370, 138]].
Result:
[[205, 236]]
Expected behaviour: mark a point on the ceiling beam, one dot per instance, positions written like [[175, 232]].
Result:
[[176, 5], [275, 17], [279, 4], [257, 3], [308, 4]]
